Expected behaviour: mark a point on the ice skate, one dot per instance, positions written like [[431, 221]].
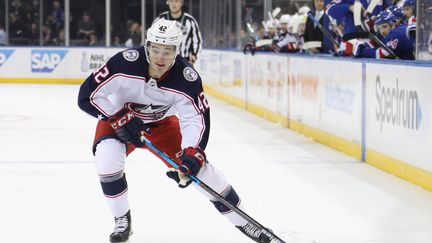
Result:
[[122, 229]]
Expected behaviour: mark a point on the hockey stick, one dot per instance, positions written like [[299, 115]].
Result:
[[276, 12], [251, 32], [371, 6], [357, 12], [325, 32], [212, 192]]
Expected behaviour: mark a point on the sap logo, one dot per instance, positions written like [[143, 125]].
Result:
[[4, 55], [45, 61]]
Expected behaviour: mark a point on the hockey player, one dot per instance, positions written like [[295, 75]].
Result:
[[409, 8], [394, 37], [152, 91], [287, 41]]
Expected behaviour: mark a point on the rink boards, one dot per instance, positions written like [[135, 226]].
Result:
[[376, 111]]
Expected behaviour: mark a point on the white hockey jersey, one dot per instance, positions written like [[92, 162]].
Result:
[[124, 82]]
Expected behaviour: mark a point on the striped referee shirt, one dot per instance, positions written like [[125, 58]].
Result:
[[191, 44]]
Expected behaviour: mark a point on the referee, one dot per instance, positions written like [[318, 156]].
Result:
[[192, 40]]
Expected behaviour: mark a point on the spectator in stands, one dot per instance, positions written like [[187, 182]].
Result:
[[134, 37], [3, 36], [16, 26], [116, 42], [93, 40], [50, 22], [17, 8], [34, 9], [47, 38], [86, 26], [59, 40], [58, 17], [34, 34]]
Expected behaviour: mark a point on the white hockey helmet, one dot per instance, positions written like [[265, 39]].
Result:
[[284, 19], [165, 32]]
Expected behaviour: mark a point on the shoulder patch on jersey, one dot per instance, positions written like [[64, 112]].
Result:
[[131, 55], [190, 74]]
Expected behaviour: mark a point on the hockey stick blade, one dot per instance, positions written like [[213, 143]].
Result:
[[166, 158], [372, 5], [357, 12], [251, 32], [276, 12]]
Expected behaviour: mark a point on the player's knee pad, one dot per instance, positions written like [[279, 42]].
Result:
[[114, 185], [231, 196], [110, 157]]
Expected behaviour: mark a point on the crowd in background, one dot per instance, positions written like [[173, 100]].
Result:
[[24, 18], [393, 22], [24, 27], [387, 30]]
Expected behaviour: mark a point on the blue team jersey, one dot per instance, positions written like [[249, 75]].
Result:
[[339, 10], [397, 41]]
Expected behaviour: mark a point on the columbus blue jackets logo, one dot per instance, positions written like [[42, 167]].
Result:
[[190, 74], [148, 112], [131, 55]]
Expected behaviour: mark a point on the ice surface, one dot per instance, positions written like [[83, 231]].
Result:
[[50, 192]]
